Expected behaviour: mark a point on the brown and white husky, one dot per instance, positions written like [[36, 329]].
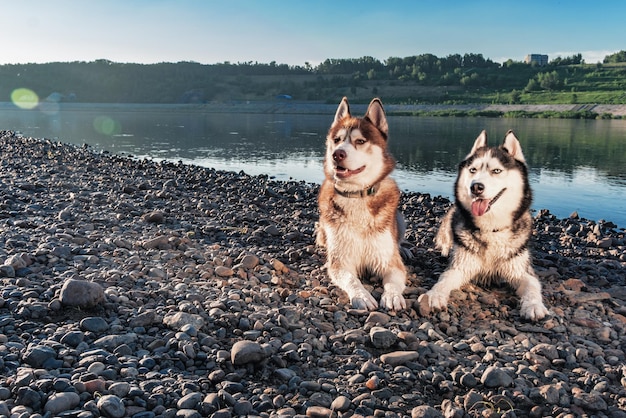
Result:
[[359, 225], [488, 228]]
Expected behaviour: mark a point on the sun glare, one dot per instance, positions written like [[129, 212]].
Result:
[[24, 98], [106, 125]]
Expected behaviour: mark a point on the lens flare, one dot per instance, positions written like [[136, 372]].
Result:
[[24, 98], [106, 126]]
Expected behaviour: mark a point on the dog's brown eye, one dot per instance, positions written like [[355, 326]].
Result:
[[336, 140], [472, 170], [359, 141]]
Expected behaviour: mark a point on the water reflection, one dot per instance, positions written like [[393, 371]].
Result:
[[575, 165]]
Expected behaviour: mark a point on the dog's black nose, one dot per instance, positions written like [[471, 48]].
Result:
[[339, 155], [477, 188]]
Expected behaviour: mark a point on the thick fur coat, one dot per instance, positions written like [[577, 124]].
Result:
[[359, 226], [487, 230]]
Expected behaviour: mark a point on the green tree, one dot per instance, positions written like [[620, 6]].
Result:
[[615, 58], [532, 85], [515, 97], [549, 81]]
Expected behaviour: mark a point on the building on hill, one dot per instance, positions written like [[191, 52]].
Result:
[[537, 59]]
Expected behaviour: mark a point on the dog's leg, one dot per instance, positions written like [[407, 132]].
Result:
[[349, 282], [394, 282], [529, 291]]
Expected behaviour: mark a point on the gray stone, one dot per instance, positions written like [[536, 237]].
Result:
[[38, 355], [81, 293], [244, 352], [190, 401], [59, 402], [495, 377], [179, 319], [111, 406], [382, 337], [119, 389], [73, 338], [110, 342], [94, 324], [425, 411]]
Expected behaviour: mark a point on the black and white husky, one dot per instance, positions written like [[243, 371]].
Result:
[[487, 229]]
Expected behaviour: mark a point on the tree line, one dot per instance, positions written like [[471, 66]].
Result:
[[104, 81]]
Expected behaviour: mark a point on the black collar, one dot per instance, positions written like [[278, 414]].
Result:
[[359, 193]]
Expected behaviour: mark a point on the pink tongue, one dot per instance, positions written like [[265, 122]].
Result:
[[479, 207]]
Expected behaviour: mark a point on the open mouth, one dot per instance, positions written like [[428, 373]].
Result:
[[343, 172], [482, 206]]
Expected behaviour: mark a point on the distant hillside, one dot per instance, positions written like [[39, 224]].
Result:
[[424, 79]]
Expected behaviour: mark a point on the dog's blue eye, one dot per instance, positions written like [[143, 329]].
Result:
[[496, 171], [472, 170]]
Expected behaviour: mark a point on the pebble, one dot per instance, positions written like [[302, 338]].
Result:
[[396, 358], [157, 289], [81, 293], [111, 406], [495, 377], [382, 337], [244, 352], [59, 402], [94, 324]]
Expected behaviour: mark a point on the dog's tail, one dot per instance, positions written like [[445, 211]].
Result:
[[444, 240]]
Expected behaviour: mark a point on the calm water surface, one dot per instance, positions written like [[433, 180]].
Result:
[[575, 165]]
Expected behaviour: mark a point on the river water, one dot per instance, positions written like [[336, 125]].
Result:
[[575, 165]]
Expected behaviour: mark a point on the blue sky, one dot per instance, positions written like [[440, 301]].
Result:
[[295, 32]]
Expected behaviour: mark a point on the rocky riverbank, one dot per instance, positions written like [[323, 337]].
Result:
[[143, 289]]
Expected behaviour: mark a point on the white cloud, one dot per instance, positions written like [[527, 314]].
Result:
[[590, 57]]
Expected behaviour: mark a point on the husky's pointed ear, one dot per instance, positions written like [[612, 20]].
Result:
[[342, 111], [376, 114], [512, 146], [480, 142]]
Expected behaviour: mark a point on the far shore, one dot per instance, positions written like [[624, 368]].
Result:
[[307, 107]]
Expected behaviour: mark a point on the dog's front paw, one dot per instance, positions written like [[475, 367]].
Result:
[[431, 301], [437, 301], [392, 301], [533, 310], [363, 300]]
